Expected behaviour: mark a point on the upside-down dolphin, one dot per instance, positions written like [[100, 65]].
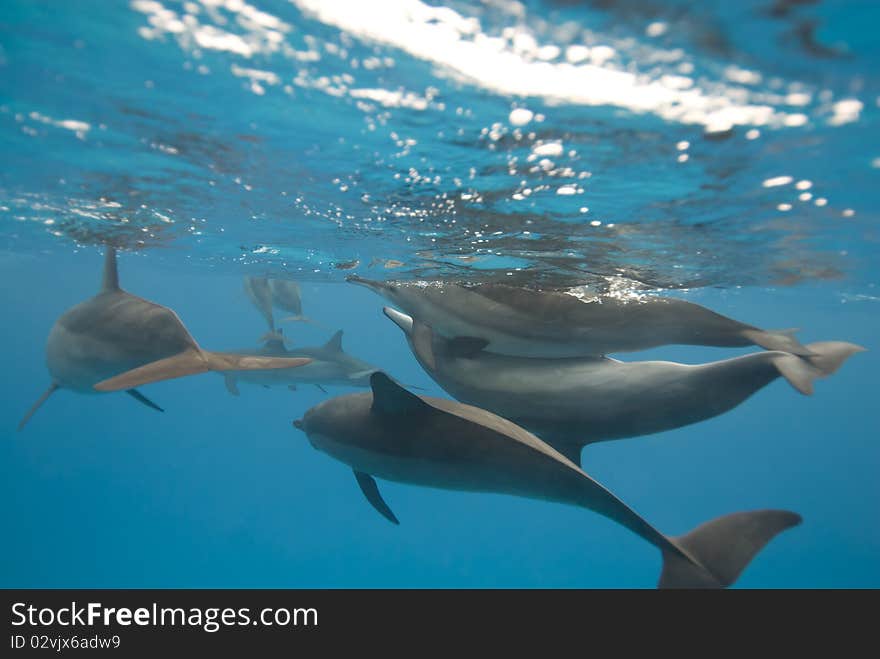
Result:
[[286, 296], [572, 402], [115, 341], [393, 434], [524, 322], [330, 365], [259, 292]]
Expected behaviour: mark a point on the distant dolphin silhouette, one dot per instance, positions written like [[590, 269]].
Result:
[[330, 365], [393, 434], [115, 341], [260, 294], [286, 296], [522, 322], [572, 402]]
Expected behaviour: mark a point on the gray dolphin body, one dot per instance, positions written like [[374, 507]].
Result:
[[330, 365], [393, 434], [573, 402], [259, 292], [286, 296], [115, 341], [523, 322]]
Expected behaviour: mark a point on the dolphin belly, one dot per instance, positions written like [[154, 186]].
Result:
[[79, 361], [506, 468], [110, 334]]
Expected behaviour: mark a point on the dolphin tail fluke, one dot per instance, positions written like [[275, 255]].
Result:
[[783, 340], [192, 362], [720, 549], [826, 358], [36, 406], [799, 372]]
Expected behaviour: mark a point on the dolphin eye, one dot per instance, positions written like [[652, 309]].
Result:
[[392, 288]]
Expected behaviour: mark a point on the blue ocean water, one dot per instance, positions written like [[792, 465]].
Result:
[[726, 154]]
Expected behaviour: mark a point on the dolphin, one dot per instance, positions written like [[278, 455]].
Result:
[[330, 365], [116, 341], [393, 434], [259, 293], [286, 296], [524, 322], [573, 402]]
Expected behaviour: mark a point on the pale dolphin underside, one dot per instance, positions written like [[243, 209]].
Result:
[[573, 402], [117, 341], [393, 434], [523, 322]]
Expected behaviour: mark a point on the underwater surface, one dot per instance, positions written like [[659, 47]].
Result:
[[727, 154]]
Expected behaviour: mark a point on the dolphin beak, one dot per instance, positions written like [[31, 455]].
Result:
[[299, 424], [403, 321], [376, 286]]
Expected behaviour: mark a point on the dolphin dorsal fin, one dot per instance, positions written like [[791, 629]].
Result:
[[335, 343], [390, 398], [110, 281]]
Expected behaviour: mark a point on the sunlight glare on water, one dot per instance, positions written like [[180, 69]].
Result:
[[465, 140]]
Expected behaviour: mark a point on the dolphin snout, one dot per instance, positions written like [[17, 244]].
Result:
[[377, 286], [299, 424]]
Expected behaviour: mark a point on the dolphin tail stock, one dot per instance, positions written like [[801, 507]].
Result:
[[826, 358], [42, 399], [782, 340], [192, 362], [715, 553]]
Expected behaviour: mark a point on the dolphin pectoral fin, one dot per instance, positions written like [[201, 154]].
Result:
[[467, 346], [194, 361], [390, 398], [138, 396], [715, 553], [371, 491], [231, 384], [403, 321], [36, 406], [320, 387]]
